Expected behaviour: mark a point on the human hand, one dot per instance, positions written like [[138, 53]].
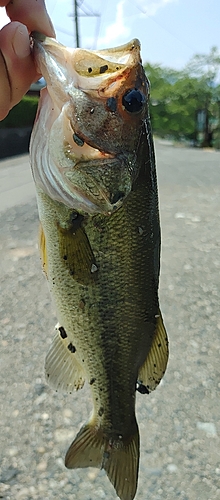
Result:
[[17, 69]]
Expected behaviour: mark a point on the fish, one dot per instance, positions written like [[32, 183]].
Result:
[[93, 164]]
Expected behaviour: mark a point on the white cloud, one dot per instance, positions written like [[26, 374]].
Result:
[[150, 7], [121, 28], [117, 29]]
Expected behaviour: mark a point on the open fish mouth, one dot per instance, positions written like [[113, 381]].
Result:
[[87, 131]]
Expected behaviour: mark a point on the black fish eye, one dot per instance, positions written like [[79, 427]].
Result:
[[133, 100]]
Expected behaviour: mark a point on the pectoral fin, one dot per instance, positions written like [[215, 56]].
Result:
[[77, 254], [43, 250], [154, 367], [62, 368]]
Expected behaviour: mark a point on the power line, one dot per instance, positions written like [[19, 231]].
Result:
[[151, 18], [66, 32], [97, 30], [85, 11]]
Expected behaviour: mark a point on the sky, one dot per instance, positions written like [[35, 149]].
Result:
[[170, 31]]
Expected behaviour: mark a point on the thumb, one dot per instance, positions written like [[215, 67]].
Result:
[[33, 14], [16, 65]]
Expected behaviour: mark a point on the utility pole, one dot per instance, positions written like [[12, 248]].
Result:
[[76, 23], [85, 11]]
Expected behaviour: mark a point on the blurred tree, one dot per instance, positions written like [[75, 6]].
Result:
[[22, 115], [177, 97], [206, 68]]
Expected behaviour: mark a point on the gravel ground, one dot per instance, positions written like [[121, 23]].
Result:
[[179, 422]]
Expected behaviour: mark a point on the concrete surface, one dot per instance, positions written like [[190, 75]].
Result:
[[16, 183], [179, 423]]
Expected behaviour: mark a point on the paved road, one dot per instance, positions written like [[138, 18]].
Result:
[[174, 165], [179, 422], [16, 183]]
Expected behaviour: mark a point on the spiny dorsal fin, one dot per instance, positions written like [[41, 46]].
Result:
[[119, 458], [62, 368], [154, 367]]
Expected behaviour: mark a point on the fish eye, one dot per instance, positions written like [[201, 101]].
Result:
[[133, 100]]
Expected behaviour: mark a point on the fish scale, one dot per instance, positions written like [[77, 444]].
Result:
[[100, 245]]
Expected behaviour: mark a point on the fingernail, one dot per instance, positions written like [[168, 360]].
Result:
[[21, 42]]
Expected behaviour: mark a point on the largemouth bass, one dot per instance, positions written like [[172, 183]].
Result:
[[93, 163]]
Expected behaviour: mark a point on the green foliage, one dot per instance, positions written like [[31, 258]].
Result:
[[22, 115], [177, 96], [205, 66]]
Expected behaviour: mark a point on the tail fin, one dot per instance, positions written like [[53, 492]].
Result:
[[119, 458], [122, 466], [87, 449]]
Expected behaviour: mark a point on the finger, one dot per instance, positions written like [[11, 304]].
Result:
[[32, 13], [5, 91], [17, 66]]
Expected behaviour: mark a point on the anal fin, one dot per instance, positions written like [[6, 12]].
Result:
[[63, 370], [154, 367]]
